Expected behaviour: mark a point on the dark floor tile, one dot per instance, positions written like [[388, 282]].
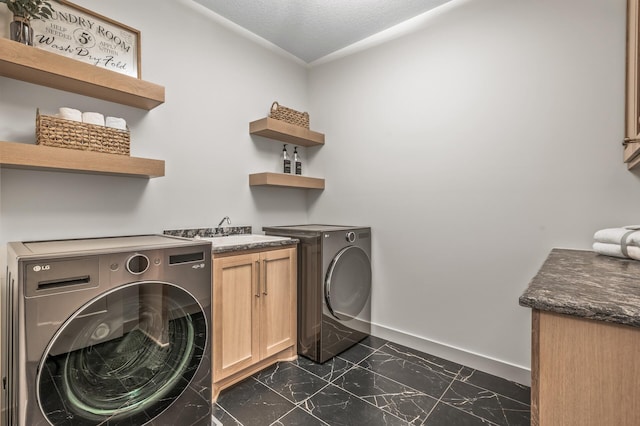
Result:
[[408, 373], [487, 404], [497, 384], [439, 365], [221, 417], [397, 399], [252, 403], [444, 415], [356, 353], [337, 407], [391, 385], [328, 371], [290, 381], [298, 417], [373, 342]]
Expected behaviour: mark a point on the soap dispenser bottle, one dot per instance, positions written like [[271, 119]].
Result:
[[297, 161], [286, 160]]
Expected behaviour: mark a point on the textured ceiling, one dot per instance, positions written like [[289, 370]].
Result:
[[312, 29]]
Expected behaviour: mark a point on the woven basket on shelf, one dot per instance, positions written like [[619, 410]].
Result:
[[289, 115], [61, 133]]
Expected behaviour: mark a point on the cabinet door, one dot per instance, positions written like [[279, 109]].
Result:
[[584, 372], [235, 314], [278, 301]]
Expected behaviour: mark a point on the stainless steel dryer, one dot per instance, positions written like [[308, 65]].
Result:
[[108, 331], [334, 287]]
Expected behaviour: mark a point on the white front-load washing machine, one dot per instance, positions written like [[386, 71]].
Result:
[[107, 331], [334, 287]]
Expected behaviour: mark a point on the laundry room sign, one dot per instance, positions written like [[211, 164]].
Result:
[[81, 34]]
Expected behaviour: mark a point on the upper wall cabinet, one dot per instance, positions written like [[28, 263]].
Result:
[[38, 66], [632, 126]]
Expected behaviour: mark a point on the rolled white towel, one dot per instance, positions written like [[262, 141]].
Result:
[[93, 118], [69, 114], [116, 123]]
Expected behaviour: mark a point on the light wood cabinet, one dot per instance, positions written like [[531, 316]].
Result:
[[254, 313], [584, 372]]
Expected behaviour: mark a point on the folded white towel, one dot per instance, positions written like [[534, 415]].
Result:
[[614, 235], [116, 123], [615, 250], [618, 242], [69, 114], [633, 238], [93, 118]]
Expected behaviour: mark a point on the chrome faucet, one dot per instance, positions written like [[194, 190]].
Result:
[[219, 230], [226, 218]]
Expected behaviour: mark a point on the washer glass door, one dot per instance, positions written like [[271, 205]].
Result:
[[348, 283], [123, 358]]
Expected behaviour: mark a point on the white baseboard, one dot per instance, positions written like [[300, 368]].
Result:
[[515, 373]]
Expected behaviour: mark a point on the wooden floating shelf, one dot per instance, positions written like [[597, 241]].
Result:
[[33, 65], [37, 157], [288, 133], [285, 132], [285, 180]]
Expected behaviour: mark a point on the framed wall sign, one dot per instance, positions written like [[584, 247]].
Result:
[[81, 34]]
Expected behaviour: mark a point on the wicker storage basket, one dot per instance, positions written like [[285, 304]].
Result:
[[289, 115], [61, 133]]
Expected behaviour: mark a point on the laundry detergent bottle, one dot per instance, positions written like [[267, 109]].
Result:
[[286, 160], [297, 162]]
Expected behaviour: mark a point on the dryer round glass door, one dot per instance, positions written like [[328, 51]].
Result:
[[348, 283], [123, 358]]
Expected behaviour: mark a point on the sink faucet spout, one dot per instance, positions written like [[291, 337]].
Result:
[[226, 218], [219, 230]]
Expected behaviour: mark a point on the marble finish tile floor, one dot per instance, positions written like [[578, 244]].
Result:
[[376, 382]]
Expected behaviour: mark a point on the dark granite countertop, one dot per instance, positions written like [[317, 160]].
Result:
[[233, 238], [585, 284], [239, 243], [209, 232]]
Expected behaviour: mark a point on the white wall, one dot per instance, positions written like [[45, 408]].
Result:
[[216, 83], [472, 147]]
